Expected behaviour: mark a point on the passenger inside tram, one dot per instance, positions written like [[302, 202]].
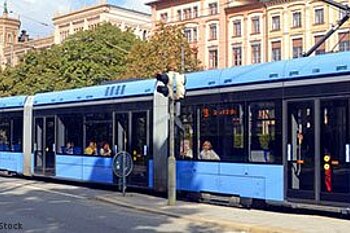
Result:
[[105, 149], [69, 148], [91, 149], [186, 149], [207, 152]]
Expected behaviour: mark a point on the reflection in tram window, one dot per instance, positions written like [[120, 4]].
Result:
[[11, 134], [5, 129], [264, 132]]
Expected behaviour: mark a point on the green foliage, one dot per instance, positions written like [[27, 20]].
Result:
[[162, 49], [84, 59]]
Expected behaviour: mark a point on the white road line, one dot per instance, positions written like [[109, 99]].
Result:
[[55, 192]]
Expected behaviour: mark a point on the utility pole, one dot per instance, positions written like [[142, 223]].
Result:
[[167, 81], [171, 158]]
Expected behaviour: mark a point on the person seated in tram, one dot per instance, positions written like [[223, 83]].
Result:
[[69, 148], [105, 150], [207, 152], [91, 149], [186, 149]]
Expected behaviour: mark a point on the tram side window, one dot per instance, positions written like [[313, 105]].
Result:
[[186, 143], [209, 134], [5, 137], [17, 134], [232, 132], [99, 134], [70, 134], [265, 134]]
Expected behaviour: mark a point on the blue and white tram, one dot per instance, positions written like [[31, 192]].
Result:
[[281, 131]]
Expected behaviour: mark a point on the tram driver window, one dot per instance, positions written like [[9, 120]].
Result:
[[264, 133]]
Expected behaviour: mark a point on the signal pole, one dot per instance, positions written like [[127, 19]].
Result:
[[171, 158], [167, 82]]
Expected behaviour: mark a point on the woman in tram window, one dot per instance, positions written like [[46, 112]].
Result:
[[105, 150], [207, 152], [186, 149]]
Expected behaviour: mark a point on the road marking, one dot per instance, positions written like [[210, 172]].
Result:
[[55, 192], [30, 185]]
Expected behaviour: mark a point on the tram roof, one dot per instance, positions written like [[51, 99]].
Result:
[[108, 91], [12, 102], [305, 67]]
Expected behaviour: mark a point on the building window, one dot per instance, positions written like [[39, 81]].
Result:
[[195, 34], [344, 41], [213, 8], [188, 34], [237, 28], [179, 15], [187, 13], [276, 51], [322, 48], [237, 55], [195, 12], [297, 47], [256, 58], [276, 25], [164, 17], [213, 58], [319, 16], [255, 25], [212, 31], [296, 19]]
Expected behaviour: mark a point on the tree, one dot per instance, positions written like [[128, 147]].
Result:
[[84, 59], [163, 48]]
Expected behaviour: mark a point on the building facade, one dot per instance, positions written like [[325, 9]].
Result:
[[89, 17], [240, 32], [15, 44]]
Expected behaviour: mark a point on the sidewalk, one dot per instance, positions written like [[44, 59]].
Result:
[[248, 221]]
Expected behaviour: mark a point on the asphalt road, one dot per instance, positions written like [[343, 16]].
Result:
[[32, 206]]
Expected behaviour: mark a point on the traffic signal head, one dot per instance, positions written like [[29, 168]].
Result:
[[180, 86], [166, 87]]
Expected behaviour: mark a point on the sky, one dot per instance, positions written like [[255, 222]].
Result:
[[36, 15]]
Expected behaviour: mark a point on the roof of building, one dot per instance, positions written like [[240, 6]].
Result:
[[96, 7]]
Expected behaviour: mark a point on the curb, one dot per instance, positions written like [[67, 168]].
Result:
[[246, 228]]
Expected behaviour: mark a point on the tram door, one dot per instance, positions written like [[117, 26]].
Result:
[[301, 150], [44, 146], [335, 150], [132, 135]]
